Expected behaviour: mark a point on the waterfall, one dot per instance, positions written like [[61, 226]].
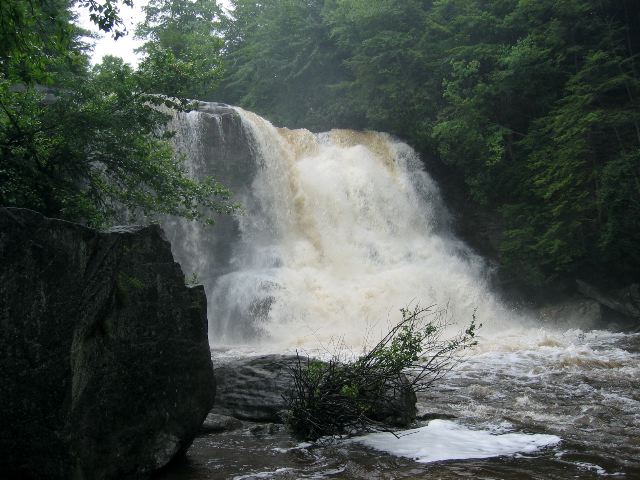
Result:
[[340, 230]]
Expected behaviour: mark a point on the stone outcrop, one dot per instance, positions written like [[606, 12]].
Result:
[[625, 301], [398, 408], [105, 369], [254, 389], [220, 423], [215, 144], [575, 312]]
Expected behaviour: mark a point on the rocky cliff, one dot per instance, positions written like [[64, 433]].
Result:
[[105, 369], [215, 144]]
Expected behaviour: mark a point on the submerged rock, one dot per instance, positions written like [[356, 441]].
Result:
[[105, 370], [215, 423], [398, 408], [254, 389]]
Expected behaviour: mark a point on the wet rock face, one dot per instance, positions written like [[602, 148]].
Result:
[[254, 389], [575, 312], [624, 301], [105, 370], [214, 144], [215, 423]]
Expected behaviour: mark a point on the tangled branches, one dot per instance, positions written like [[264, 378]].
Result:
[[377, 389]]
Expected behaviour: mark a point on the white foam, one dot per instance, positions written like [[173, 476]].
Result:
[[269, 474], [447, 440], [341, 230], [597, 469], [300, 446]]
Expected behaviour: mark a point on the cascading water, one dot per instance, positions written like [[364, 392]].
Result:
[[340, 230]]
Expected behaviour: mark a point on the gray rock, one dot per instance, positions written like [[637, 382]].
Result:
[[254, 389], [105, 369], [215, 423], [580, 313], [265, 429], [215, 143], [398, 408], [625, 301]]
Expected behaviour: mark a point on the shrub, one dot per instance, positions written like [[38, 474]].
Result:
[[338, 397]]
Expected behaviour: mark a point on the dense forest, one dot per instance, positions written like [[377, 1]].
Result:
[[531, 108]]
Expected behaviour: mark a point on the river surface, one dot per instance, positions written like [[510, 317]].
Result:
[[340, 230], [579, 386]]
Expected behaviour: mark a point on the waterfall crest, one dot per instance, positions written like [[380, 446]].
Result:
[[341, 229]]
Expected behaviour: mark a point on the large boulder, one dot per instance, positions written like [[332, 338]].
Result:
[[105, 368], [255, 388]]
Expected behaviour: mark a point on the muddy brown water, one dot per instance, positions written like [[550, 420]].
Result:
[[582, 387]]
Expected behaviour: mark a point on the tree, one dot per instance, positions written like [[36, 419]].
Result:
[[37, 34], [182, 54], [106, 15], [392, 82], [97, 149], [282, 61], [577, 218], [99, 144]]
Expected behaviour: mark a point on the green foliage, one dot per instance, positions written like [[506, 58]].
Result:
[[98, 145], [38, 38], [106, 15], [589, 132], [129, 283], [534, 104], [338, 397], [182, 53], [96, 149], [125, 287], [388, 72], [280, 60], [192, 280]]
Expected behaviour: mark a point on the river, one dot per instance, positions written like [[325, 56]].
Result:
[[579, 386], [341, 229]]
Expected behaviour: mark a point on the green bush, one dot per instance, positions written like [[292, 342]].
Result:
[[338, 397]]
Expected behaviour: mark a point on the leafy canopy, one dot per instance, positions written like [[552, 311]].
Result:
[[96, 144], [181, 52], [530, 107]]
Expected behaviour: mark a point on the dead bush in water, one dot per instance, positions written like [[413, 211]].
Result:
[[337, 397]]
